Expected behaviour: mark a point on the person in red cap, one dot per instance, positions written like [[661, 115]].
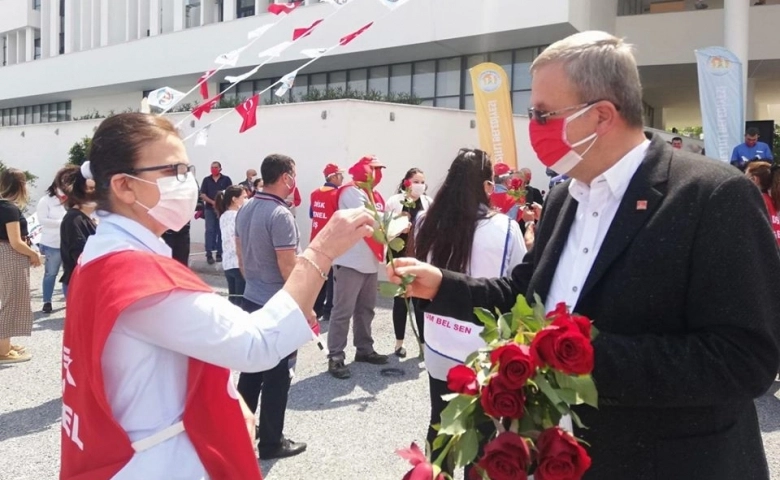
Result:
[[500, 199], [355, 278], [324, 203]]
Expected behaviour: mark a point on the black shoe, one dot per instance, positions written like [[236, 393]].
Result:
[[400, 352], [209, 259], [338, 369], [287, 448], [47, 308], [373, 358], [219, 258]]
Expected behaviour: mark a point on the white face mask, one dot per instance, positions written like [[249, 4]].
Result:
[[418, 189], [177, 201]]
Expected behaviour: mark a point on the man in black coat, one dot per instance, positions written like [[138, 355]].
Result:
[[671, 255]]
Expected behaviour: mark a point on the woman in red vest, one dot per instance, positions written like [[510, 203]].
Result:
[[767, 179], [147, 345]]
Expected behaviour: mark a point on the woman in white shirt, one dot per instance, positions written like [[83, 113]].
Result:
[[50, 213], [461, 233], [410, 199], [147, 345], [227, 204]]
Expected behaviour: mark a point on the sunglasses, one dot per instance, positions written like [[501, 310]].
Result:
[[541, 116]]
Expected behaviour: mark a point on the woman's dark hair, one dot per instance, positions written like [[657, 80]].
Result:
[[74, 186], [257, 182], [761, 171], [447, 231], [225, 198], [409, 174], [116, 145], [52, 190], [13, 186]]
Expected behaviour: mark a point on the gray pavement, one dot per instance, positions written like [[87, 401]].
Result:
[[352, 426]]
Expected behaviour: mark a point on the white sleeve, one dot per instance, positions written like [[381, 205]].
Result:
[[516, 249], [352, 197], [43, 216], [394, 205], [208, 327]]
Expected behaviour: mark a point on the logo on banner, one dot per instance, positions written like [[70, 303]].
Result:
[[164, 98], [718, 65], [489, 81]]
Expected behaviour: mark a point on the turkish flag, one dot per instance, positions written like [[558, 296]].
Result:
[[204, 86], [248, 111], [206, 106], [280, 8], [354, 35], [305, 32]]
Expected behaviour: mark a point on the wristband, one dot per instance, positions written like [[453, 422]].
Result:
[[316, 267]]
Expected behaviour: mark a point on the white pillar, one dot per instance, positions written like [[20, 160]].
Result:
[[13, 58], [94, 21], [207, 13], [45, 27], [179, 15], [736, 30], [229, 10], [154, 17], [53, 23], [86, 25], [750, 97], [29, 44], [104, 22], [143, 18], [20, 57], [131, 19], [71, 26]]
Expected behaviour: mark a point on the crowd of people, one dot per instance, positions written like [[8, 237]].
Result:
[[633, 239]]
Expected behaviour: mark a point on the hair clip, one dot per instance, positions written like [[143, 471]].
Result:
[[86, 171]]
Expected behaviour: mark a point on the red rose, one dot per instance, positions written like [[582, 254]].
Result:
[[561, 457], [515, 364], [563, 347], [516, 184], [560, 310], [462, 379], [423, 470], [407, 184], [561, 315], [507, 457], [499, 400]]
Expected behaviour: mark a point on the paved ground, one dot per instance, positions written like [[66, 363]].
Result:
[[352, 426]]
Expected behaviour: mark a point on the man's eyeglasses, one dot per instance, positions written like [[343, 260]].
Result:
[[179, 169], [541, 116]]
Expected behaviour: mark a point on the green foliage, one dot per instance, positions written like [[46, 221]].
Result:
[[79, 151], [339, 93], [776, 142], [31, 178], [94, 114]]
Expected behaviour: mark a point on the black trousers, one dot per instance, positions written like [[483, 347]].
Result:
[[324, 303], [274, 386], [400, 315], [179, 243]]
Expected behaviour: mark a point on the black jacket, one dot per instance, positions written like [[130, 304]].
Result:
[[685, 294]]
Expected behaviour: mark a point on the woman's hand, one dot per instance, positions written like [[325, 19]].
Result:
[[343, 231], [35, 260], [427, 278]]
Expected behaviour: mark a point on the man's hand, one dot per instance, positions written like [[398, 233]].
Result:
[[204, 197], [427, 278]]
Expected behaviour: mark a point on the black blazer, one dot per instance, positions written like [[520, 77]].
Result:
[[686, 294]]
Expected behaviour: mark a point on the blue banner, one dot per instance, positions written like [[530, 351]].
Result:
[[720, 95]]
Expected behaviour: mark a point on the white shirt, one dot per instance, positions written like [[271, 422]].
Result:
[[227, 224], [597, 205], [360, 257], [395, 203], [50, 213], [146, 355]]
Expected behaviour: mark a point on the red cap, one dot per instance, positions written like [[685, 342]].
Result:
[[363, 167], [332, 169], [501, 169]]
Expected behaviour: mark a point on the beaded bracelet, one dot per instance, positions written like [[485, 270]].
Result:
[[316, 267], [316, 250]]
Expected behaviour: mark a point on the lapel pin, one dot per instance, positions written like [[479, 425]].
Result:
[[641, 205]]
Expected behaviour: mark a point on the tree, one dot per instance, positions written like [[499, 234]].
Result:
[[78, 152], [31, 178]]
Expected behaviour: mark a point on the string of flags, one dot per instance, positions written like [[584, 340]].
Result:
[[166, 98]]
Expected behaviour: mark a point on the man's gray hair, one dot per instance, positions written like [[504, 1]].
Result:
[[601, 67]]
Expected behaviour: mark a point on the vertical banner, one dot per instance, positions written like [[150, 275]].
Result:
[[495, 123], [720, 95]]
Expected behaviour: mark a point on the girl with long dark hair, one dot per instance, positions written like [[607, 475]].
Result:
[[410, 199], [461, 233], [77, 225], [226, 205]]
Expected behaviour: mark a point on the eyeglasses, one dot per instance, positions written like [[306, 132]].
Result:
[[179, 169], [540, 116]]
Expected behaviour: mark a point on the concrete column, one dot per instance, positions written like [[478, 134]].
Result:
[[751, 108], [207, 13], [85, 17], [143, 18], [20, 57], [71, 26], [29, 44], [53, 23], [131, 18], [179, 15], [13, 58], [229, 10], [46, 31], [104, 22], [154, 17], [736, 31]]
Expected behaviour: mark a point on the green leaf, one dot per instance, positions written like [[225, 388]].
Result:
[[547, 389], [569, 396], [521, 308], [490, 332], [439, 441], [379, 235], [539, 307], [466, 449], [583, 385], [594, 332], [387, 289], [397, 244], [455, 416], [504, 328], [576, 419]]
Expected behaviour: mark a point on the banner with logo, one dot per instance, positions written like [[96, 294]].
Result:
[[495, 124], [720, 95]]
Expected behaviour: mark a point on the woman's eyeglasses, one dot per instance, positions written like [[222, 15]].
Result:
[[179, 169]]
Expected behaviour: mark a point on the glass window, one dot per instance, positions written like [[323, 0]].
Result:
[[245, 90], [261, 85], [427, 103], [472, 62], [505, 60], [357, 80], [401, 78], [424, 83], [318, 82], [62, 114], [19, 116], [37, 46], [448, 77], [67, 112], [377, 79], [300, 87], [521, 78], [44, 113], [521, 101], [468, 103], [230, 94], [338, 80], [28, 116], [245, 8], [6, 121], [37, 114], [36, 4], [448, 102]]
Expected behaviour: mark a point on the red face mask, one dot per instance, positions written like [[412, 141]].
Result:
[[551, 145], [215, 171]]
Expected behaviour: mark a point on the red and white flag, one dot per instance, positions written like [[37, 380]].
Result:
[[248, 111], [305, 32], [204, 85], [345, 40], [206, 106], [282, 8]]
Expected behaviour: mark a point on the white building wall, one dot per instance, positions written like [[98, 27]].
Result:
[[18, 14]]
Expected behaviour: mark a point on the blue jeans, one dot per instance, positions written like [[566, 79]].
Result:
[[236, 285], [213, 233], [51, 268]]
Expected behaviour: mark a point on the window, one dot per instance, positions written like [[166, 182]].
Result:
[[504, 59], [472, 62], [378, 79], [261, 85], [244, 90], [401, 78], [34, 114], [357, 80], [245, 8], [424, 81], [521, 76], [37, 44], [337, 80], [448, 102], [37, 114], [448, 77], [300, 87], [319, 81], [521, 101], [36, 4]]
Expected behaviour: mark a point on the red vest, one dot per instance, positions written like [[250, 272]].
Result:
[[773, 216], [504, 202], [376, 247], [324, 203], [94, 446]]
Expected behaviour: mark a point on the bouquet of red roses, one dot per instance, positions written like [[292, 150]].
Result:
[[533, 368], [517, 190]]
